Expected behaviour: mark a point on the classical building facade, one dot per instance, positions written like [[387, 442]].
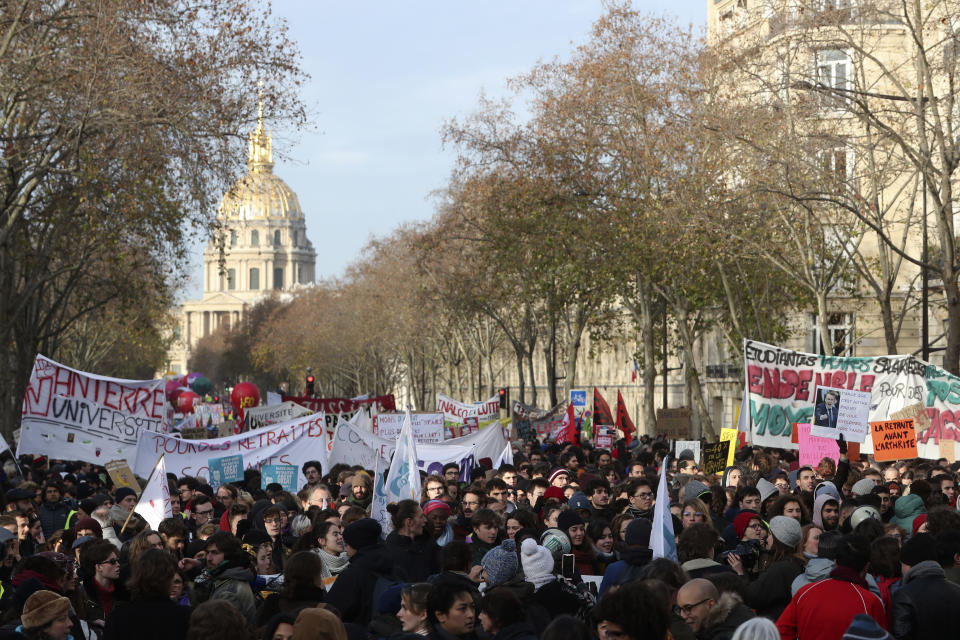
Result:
[[262, 247]]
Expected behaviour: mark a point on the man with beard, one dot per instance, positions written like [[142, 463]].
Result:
[[826, 512], [473, 500]]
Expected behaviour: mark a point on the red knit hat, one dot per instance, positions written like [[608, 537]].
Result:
[[918, 521], [741, 521], [555, 492]]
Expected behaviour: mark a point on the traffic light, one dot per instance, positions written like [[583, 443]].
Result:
[[504, 398], [310, 382]]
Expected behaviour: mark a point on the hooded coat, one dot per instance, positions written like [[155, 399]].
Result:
[[817, 569], [821, 500], [926, 605], [905, 509], [352, 593]]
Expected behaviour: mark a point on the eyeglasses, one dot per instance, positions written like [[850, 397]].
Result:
[[684, 610], [203, 513], [271, 521], [644, 495], [757, 526], [110, 561]]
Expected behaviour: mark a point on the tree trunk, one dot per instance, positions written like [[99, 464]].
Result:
[[574, 342], [825, 338], [692, 376]]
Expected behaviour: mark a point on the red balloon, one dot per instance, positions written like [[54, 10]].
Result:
[[244, 396], [186, 400], [170, 390]]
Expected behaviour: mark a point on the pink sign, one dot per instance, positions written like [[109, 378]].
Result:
[[814, 449]]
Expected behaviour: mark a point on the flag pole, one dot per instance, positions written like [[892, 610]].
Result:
[[149, 478]]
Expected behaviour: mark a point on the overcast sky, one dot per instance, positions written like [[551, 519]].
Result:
[[385, 76]]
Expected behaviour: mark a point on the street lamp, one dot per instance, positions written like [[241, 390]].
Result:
[[924, 277]]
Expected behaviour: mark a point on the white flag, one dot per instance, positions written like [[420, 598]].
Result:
[[4, 446], [378, 510], [154, 504], [662, 540], [506, 457], [403, 481]]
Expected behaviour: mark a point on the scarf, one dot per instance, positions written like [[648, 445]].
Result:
[[539, 581], [333, 564]]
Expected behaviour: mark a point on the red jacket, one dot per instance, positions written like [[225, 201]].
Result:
[[823, 610]]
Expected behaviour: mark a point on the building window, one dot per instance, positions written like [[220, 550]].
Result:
[[840, 326], [278, 278], [833, 69], [294, 238], [254, 238], [233, 238], [276, 237], [254, 279], [231, 279]]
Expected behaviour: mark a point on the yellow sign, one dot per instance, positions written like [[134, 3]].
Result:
[[731, 435], [122, 475]]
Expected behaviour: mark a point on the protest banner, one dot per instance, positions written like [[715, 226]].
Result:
[[283, 474], [353, 445], [403, 479], [293, 442], [378, 506], [813, 448], [337, 409], [604, 437], [841, 411], [225, 470], [257, 417], [72, 415], [427, 427], [680, 446], [893, 440], [714, 457], [154, 504], [730, 436], [457, 414], [273, 398], [121, 475], [781, 383]]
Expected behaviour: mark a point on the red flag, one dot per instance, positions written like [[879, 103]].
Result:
[[624, 423], [568, 432], [601, 410]]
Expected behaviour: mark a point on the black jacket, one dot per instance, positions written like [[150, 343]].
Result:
[[302, 597], [518, 631], [148, 620], [414, 559], [352, 593], [770, 593], [926, 605]]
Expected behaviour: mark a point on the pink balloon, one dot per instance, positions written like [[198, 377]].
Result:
[[170, 389]]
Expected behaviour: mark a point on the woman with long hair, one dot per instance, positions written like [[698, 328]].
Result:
[[601, 536], [790, 506], [694, 511], [413, 608], [150, 614], [770, 593]]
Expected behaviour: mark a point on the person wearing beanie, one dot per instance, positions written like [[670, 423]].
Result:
[[538, 569], [862, 487], [822, 609], [634, 556], [906, 509], [559, 477], [926, 605], [352, 594], [89, 527], [46, 615], [770, 593], [919, 524], [318, 623], [438, 515], [864, 627], [584, 556], [500, 564], [768, 493]]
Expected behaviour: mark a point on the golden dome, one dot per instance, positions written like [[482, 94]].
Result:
[[260, 195]]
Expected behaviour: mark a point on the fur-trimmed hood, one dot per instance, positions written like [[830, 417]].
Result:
[[721, 611], [726, 615]]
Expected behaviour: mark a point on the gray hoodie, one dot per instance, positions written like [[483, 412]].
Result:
[[821, 500], [817, 569]]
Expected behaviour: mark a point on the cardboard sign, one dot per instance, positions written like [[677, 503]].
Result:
[[731, 436], [714, 457], [693, 445], [225, 470], [122, 475], [674, 423], [947, 450], [814, 449], [893, 440], [283, 474]]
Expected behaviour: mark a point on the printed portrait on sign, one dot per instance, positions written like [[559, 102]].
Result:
[[827, 409]]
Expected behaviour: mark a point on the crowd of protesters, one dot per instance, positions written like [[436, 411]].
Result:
[[556, 546]]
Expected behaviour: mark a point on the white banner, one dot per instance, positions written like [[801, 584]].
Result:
[[72, 415], [154, 504], [403, 480], [457, 413], [353, 445], [257, 417], [427, 427], [294, 442]]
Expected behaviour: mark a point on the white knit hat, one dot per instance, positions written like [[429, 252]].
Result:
[[537, 561]]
